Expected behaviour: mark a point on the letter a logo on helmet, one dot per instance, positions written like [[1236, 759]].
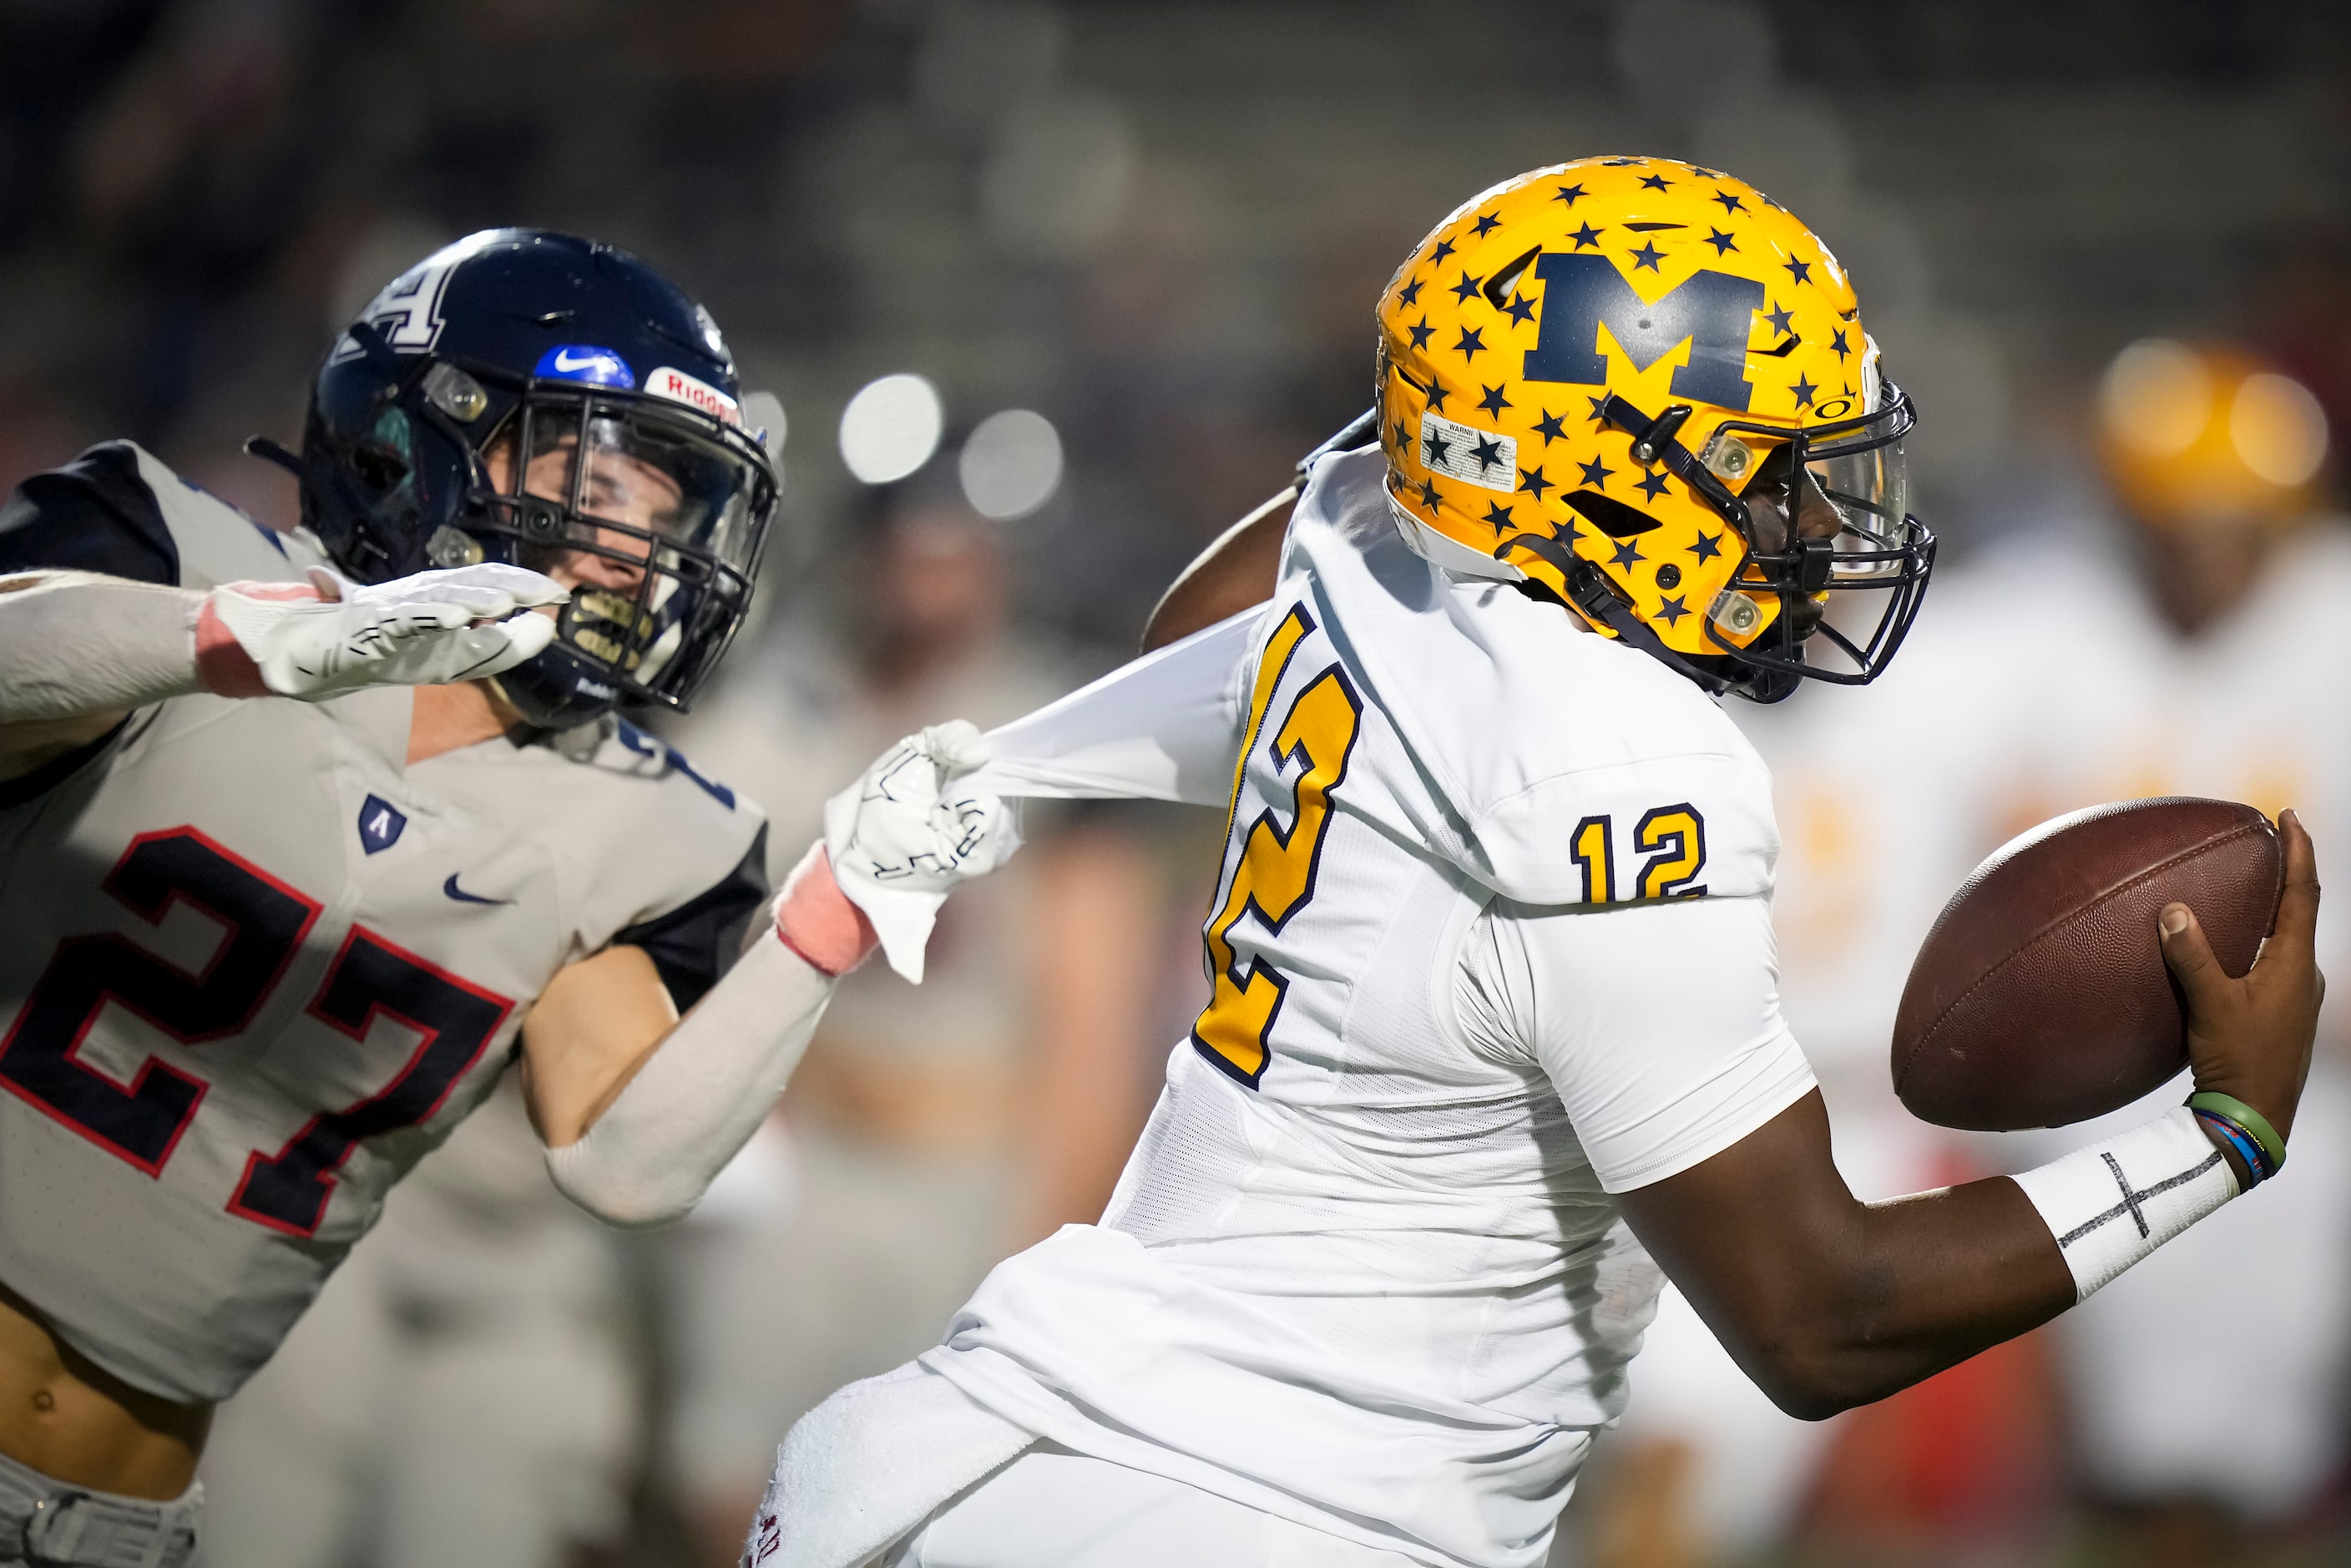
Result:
[[1705, 454]]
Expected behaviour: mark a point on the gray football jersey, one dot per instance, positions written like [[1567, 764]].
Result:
[[255, 967]]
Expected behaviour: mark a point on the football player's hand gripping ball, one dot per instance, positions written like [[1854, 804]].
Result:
[[336, 635], [906, 834]]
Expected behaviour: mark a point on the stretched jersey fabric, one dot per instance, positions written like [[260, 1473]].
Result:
[[1491, 942], [256, 965]]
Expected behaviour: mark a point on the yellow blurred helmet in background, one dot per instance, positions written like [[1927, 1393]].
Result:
[[1585, 369], [2194, 434]]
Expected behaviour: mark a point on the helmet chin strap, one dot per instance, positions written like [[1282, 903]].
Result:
[[1589, 591]]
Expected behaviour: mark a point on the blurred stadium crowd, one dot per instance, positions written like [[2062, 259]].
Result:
[[1132, 250]]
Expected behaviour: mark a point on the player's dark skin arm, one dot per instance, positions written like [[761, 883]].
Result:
[[1224, 580], [1829, 1302]]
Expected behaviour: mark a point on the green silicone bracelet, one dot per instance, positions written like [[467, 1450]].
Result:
[[2245, 1116]]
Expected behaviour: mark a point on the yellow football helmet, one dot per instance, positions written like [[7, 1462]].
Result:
[[1609, 374], [2192, 435]]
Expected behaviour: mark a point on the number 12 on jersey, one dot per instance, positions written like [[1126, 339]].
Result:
[[1272, 877]]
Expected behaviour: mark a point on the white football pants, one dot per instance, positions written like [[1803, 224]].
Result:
[[1054, 1508]]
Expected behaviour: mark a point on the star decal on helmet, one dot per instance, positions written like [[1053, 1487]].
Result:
[[1801, 271], [1651, 485], [1494, 402], [1596, 472], [1434, 451], [1444, 249], [1803, 391], [1656, 181], [1838, 343], [1409, 294], [1403, 436], [1499, 515], [1428, 495], [1586, 239], [1730, 204], [1549, 428], [1472, 343], [1466, 287], [1487, 224], [1722, 241], [1533, 479], [1597, 404], [1648, 256], [1780, 315], [1627, 555], [1570, 194], [1709, 546], [1421, 333], [1488, 451], [1521, 311], [1437, 396], [1670, 608]]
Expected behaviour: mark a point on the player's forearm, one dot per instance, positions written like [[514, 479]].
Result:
[[1828, 1302], [77, 646], [664, 1124], [1921, 1283]]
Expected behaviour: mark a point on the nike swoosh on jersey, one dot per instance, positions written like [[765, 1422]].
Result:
[[462, 896]]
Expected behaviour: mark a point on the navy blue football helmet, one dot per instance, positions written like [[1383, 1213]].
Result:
[[547, 401]]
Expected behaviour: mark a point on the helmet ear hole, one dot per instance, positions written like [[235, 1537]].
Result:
[[379, 468]]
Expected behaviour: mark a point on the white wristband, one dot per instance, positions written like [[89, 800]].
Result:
[[2112, 1204]]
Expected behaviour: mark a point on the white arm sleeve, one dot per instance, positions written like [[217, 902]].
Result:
[[76, 642], [1165, 728], [1658, 1023], [648, 1158]]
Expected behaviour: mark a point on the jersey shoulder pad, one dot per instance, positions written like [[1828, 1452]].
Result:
[[95, 514], [217, 542], [1599, 776], [688, 902]]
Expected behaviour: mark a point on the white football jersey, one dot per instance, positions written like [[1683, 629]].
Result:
[[256, 965], [1490, 943]]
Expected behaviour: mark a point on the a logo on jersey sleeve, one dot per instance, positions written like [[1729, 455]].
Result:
[[585, 363], [381, 824]]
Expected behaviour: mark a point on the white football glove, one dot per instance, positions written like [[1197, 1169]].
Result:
[[904, 835], [415, 631]]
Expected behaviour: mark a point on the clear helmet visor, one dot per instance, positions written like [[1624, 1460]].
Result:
[[1838, 544], [651, 516]]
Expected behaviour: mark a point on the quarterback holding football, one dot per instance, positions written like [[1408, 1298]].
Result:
[[305, 837], [1493, 1042]]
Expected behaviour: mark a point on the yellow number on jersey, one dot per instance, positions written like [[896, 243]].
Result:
[[1589, 847], [1274, 876], [1676, 835]]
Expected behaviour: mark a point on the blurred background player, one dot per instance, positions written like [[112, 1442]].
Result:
[[2197, 653]]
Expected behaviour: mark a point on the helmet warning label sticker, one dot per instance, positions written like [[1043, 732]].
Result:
[[1485, 458], [679, 387]]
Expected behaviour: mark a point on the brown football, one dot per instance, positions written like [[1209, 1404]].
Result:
[[2040, 996]]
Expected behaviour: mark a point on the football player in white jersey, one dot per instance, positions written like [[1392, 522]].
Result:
[[1494, 1035], [305, 837]]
